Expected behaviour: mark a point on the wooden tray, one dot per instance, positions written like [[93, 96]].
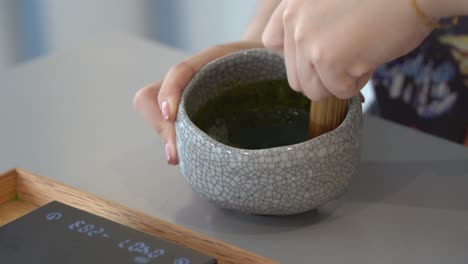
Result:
[[21, 192]]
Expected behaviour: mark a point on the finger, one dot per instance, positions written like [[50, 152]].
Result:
[[180, 74], [290, 52], [309, 80], [315, 90], [169, 135], [361, 83], [338, 82], [273, 35], [361, 97], [364, 79], [171, 89], [145, 102]]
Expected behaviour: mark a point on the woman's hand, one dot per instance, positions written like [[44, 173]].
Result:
[[332, 47], [158, 101]]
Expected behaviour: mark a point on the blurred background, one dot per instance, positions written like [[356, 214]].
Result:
[[30, 29]]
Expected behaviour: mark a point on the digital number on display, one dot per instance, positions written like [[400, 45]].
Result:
[[145, 253]]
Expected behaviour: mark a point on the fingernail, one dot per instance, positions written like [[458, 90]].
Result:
[[165, 110], [363, 99], [168, 153]]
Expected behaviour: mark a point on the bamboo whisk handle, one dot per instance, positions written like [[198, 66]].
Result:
[[326, 115]]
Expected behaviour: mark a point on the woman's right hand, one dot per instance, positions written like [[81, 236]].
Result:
[[158, 102]]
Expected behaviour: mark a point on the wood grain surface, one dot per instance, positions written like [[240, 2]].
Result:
[[7, 186], [11, 210]]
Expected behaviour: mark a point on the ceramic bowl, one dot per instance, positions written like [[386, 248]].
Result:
[[274, 181]]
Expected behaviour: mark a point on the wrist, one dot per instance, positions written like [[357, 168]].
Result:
[[252, 34]]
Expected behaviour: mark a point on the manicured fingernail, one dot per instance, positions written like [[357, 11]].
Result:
[[165, 110], [168, 153]]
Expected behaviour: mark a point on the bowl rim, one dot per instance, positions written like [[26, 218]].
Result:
[[354, 108]]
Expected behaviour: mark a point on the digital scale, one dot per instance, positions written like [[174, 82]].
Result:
[[60, 234]]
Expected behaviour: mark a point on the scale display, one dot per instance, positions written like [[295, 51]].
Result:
[[58, 233]]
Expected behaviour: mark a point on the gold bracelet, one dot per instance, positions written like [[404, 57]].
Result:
[[430, 22]]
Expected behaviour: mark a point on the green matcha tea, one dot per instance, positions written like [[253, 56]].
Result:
[[259, 115]]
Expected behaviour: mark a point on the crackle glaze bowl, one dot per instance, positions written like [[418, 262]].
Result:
[[281, 180]]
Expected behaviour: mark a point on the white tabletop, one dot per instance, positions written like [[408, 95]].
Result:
[[69, 117]]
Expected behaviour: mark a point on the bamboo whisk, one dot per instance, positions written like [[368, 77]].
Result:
[[326, 115]]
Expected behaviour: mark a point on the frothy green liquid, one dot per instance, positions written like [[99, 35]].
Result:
[[259, 115]]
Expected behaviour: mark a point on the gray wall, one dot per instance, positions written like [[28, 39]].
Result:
[[72, 22], [7, 34], [195, 24]]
